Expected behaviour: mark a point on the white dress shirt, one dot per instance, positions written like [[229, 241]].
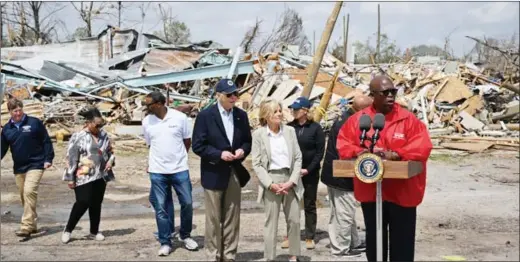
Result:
[[279, 151], [165, 137], [227, 120]]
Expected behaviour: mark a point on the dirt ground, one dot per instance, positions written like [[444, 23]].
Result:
[[471, 209]]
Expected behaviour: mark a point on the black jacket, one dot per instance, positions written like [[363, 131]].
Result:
[[312, 145], [209, 140], [346, 184]]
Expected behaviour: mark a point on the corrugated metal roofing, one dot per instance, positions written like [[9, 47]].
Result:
[[56, 72], [158, 60]]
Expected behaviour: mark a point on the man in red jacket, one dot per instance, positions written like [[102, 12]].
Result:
[[405, 138]]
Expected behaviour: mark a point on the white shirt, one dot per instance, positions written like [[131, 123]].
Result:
[[165, 137], [227, 120], [279, 151]]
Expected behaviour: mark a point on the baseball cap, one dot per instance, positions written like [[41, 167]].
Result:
[[301, 102], [226, 86]]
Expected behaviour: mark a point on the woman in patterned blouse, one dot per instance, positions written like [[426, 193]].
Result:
[[89, 166]]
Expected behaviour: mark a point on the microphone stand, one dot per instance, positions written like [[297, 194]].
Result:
[[379, 207]]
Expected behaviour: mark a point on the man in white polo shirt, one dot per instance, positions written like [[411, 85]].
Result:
[[168, 136]]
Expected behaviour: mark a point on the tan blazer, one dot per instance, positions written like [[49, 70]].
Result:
[[261, 153]]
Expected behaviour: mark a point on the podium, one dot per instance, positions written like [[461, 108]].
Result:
[[370, 168]]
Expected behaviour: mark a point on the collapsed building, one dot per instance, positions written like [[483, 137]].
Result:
[[464, 107]]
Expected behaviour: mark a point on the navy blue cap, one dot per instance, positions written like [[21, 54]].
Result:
[[301, 102], [225, 86]]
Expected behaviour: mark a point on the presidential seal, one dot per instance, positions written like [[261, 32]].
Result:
[[369, 168]]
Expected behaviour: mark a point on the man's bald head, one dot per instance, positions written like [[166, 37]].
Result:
[[360, 102], [383, 91], [381, 83]]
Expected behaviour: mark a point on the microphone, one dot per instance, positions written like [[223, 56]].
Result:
[[379, 124], [364, 125]]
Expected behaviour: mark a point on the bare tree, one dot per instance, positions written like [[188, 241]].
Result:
[[173, 31], [448, 51], [33, 22], [389, 52], [289, 31], [89, 12], [251, 37], [497, 53]]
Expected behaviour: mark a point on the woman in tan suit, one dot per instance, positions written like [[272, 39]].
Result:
[[277, 162]]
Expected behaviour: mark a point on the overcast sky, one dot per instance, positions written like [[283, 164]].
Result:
[[405, 22]]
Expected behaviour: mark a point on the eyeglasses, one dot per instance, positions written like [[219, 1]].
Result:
[[232, 94], [99, 126], [388, 92]]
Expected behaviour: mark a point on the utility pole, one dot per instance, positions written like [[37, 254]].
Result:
[[119, 14], [312, 72], [345, 37], [313, 42], [376, 57]]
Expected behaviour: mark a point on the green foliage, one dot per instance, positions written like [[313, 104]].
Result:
[[175, 32], [427, 50], [79, 33], [389, 52]]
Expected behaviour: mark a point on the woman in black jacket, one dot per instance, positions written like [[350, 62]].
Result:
[[312, 145]]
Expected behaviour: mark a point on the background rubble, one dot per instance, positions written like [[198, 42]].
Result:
[[465, 106]]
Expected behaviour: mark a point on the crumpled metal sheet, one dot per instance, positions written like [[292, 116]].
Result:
[[159, 60]]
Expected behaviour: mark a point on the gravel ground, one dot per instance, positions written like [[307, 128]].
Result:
[[471, 209]]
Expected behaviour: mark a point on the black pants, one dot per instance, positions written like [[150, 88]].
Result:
[[88, 196], [310, 194], [399, 222]]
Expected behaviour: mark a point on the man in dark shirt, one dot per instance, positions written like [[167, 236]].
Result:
[[344, 241], [32, 153]]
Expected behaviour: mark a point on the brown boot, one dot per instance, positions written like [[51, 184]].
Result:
[[285, 243], [309, 244], [25, 233]]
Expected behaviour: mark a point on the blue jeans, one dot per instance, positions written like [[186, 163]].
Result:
[[162, 201]]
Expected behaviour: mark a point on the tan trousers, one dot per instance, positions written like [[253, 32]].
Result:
[[226, 204], [343, 232], [291, 209], [28, 184]]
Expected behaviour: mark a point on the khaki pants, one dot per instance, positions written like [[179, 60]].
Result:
[[28, 184], [343, 232], [223, 205], [291, 209]]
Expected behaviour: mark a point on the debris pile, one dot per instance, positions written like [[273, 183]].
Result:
[[460, 103]]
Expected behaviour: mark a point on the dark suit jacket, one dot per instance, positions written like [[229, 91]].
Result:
[[209, 140]]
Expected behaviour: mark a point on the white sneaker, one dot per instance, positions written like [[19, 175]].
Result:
[[97, 237], [189, 243], [164, 250], [65, 237]]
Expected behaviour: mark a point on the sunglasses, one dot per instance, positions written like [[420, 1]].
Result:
[[388, 92], [232, 94], [99, 126], [149, 105]]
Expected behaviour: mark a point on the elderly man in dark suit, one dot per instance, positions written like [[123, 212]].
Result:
[[222, 139]]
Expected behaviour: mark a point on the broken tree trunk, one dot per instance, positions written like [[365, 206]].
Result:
[[325, 99], [320, 52], [515, 88]]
